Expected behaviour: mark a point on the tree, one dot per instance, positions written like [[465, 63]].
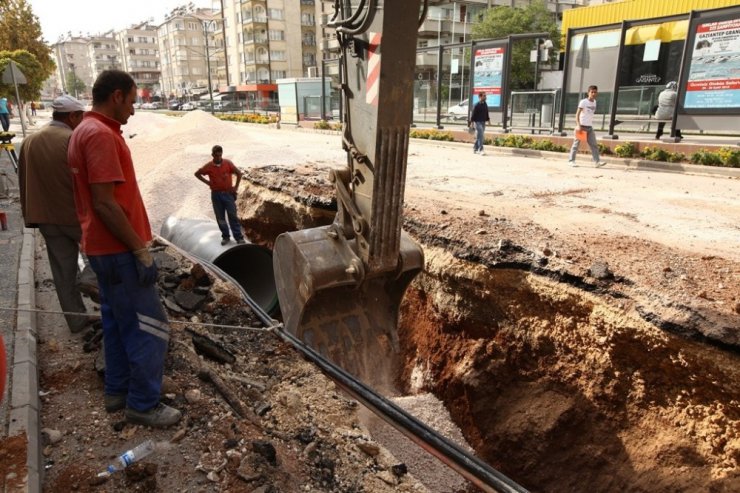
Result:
[[75, 86], [20, 30], [499, 22], [31, 68]]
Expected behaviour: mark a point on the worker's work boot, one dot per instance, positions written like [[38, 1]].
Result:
[[160, 416]]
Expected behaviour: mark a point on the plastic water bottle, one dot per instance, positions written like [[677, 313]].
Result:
[[129, 457]]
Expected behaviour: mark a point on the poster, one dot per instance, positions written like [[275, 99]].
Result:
[[488, 74], [714, 66]]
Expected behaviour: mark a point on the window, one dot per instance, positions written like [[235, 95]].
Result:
[[277, 55], [275, 13], [276, 35], [192, 26], [308, 19], [279, 74]]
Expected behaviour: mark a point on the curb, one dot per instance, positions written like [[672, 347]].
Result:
[[24, 396]]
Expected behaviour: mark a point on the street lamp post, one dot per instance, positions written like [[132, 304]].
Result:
[[206, 25]]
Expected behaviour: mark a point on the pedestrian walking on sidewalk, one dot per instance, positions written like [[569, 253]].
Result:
[[5, 113], [115, 234], [666, 107], [584, 122], [223, 193], [479, 117], [47, 203]]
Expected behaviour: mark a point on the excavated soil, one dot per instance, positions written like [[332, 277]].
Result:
[[591, 352], [592, 363]]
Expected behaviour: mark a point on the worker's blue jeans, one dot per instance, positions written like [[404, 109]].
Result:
[[224, 207], [480, 130], [5, 121], [135, 331]]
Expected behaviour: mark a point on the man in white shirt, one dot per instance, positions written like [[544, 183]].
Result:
[[584, 122]]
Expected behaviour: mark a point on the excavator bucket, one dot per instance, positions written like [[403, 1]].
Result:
[[340, 286]]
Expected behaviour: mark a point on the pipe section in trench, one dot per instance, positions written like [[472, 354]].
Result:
[[250, 265]]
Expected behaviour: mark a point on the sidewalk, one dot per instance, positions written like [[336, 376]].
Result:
[[19, 411]]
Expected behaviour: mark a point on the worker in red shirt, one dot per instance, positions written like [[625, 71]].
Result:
[[223, 193], [115, 234]]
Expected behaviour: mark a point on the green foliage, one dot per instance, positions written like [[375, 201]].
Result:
[[431, 134], [676, 157], [324, 125], [75, 86], [547, 145], [655, 154], [31, 68], [628, 149], [20, 30], [604, 149], [500, 21], [730, 157], [248, 118], [725, 156]]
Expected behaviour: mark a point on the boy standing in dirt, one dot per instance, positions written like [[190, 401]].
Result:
[[584, 121]]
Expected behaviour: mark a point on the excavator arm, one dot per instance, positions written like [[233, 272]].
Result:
[[340, 286]]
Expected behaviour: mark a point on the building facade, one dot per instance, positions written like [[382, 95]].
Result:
[[139, 51], [188, 50]]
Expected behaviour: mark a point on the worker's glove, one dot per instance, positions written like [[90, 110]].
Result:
[[146, 268]]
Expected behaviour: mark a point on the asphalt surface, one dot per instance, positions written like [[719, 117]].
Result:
[[19, 410]]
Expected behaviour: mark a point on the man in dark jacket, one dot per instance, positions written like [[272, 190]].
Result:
[[479, 117]]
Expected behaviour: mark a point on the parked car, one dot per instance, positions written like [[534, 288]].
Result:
[[459, 111], [188, 106], [174, 105]]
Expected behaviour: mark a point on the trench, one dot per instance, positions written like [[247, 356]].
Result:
[[553, 383]]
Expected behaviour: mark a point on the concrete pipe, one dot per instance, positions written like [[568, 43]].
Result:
[[250, 265]]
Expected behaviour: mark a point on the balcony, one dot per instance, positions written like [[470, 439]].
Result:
[[255, 40]]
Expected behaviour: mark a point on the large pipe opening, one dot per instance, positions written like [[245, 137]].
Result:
[[250, 265]]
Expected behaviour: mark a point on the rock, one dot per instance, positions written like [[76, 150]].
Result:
[[546, 252], [179, 435], [263, 489], [266, 450], [388, 477], [213, 477], [50, 436], [262, 408], [47, 451], [171, 305], [188, 300], [480, 231], [370, 448], [169, 386], [246, 472], [600, 270], [231, 443], [200, 276], [164, 261], [193, 395], [737, 307], [482, 213], [399, 469]]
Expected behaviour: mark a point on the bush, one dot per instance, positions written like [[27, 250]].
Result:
[[628, 149], [730, 157], [604, 149], [431, 134], [248, 118], [655, 154], [706, 158], [547, 145], [322, 125], [676, 157]]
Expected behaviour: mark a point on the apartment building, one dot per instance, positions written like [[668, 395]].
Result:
[[266, 40], [139, 51], [71, 56], [188, 49], [102, 53]]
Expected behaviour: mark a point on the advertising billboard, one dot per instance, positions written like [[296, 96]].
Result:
[[712, 64], [488, 73]]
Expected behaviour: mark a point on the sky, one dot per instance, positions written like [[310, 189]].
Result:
[[57, 17]]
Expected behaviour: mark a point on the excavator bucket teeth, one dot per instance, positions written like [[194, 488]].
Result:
[[352, 323]]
